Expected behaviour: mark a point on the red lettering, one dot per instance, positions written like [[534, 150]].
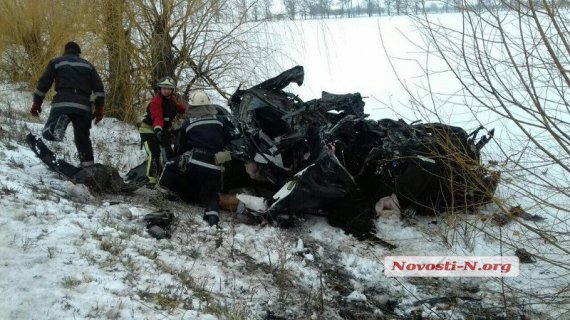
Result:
[[470, 265], [398, 265]]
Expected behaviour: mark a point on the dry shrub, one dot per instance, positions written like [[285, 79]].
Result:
[[34, 31]]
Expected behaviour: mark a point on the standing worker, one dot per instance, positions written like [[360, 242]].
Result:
[[75, 80], [202, 139], [156, 124]]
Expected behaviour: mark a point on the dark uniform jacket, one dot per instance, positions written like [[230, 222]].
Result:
[[75, 79], [209, 133]]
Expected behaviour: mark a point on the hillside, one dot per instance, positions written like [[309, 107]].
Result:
[[69, 254]]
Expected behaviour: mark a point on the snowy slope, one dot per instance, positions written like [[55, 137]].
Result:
[[67, 253]]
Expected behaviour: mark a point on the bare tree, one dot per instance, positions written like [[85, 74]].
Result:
[[267, 4], [179, 38], [512, 65], [389, 4], [243, 9], [346, 7], [325, 7], [302, 10], [312, 7], [401, 7], [369, 7], [290, 8], [418, 5], [216, 10], [120, 90]]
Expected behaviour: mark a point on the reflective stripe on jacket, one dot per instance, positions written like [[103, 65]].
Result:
[[75, 81]]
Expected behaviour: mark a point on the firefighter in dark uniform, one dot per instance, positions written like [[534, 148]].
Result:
[[202, 139], [156, 124], [75, 81]]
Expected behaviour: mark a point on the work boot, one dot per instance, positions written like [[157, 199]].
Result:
[[60, 127], [151, 182], [56, 131], [212, 218]]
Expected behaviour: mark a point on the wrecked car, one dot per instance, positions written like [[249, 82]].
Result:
[[329, 157]]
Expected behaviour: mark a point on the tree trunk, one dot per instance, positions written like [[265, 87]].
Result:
[[119, 92]]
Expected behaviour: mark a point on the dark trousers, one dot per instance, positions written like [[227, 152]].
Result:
[[81, 127], [193, 183]]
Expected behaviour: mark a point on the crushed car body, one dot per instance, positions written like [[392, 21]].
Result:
[[329, 157]]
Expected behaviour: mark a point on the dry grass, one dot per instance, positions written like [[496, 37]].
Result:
[[33, 32]]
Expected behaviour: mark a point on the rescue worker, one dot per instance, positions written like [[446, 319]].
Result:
[[197, 171], [75, 80], [156, 124]]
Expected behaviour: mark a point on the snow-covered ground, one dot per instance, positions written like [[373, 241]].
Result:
[[67, 254]]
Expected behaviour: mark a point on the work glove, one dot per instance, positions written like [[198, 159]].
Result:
[[222, 157], [158, 134], [36, 109], [98, 115]]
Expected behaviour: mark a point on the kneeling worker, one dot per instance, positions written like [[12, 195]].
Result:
[[202, 139]]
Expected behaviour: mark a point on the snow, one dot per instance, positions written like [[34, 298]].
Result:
[[356, 296], [257, 204], [69, 254]]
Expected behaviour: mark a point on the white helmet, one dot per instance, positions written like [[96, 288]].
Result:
[[199, 98], [166, 82]]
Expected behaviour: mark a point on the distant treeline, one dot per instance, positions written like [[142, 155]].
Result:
[[325, 9]]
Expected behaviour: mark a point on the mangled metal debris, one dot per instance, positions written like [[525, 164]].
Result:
[[98, 178], [329, 157]]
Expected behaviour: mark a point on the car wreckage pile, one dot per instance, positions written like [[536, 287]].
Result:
[[329, 158], [326, 157]]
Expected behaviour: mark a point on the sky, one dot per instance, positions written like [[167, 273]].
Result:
[[69, 254], [360, 55]]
